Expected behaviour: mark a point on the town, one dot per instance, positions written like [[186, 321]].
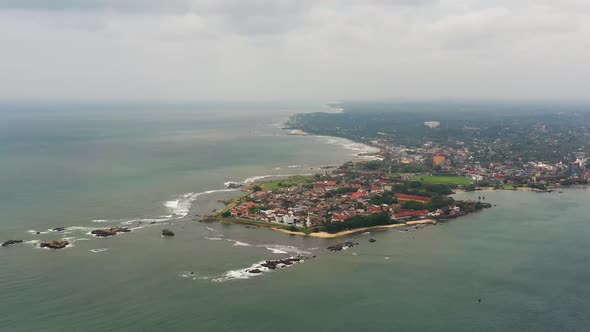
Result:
[[347, 199], [403, 183]]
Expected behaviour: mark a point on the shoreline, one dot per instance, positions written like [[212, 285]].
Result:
[[323, 235], [326, 235]]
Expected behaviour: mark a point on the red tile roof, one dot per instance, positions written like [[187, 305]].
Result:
[[412, 197], [418, 213]]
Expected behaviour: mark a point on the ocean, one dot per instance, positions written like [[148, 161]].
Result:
[[520, 266]]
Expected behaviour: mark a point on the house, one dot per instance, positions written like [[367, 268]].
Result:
[[376, 189], [409, 214], [406, 198]]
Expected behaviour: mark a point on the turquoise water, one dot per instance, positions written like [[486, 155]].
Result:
[[526, 258]]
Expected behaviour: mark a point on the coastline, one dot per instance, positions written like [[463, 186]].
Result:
[[326, 235], [323, 235]]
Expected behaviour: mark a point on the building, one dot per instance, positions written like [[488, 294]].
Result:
[[406, 198], [439, 160], [409, 214], [432, 124]]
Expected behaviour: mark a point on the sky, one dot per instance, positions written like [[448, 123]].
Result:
[[293, 49]]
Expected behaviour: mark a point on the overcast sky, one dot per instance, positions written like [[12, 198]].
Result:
[[293, 49]]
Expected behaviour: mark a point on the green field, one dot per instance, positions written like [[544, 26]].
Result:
[[292, 181], [458, 180]]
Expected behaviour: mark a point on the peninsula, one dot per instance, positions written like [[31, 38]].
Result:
[[348, 200]]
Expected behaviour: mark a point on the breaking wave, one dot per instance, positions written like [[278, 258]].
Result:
[[180, 207]]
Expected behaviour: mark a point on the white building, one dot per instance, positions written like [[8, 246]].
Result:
[[432, 124]]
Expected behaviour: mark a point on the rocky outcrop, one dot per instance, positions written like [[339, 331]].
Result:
[[167, 232], [372, 240], [11, 242], [59, 229], [209, 218], [106, 232], [342, 246], [55, 244], [278, 263], [273, 264]]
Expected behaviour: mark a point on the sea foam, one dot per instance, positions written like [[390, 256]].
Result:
[[180, 207]]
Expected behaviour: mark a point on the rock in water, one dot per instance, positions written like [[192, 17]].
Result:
[[167, 232], [105, 232], [342, 246], [255, 271], [372, 240], [11, 242], [59, 229], [55, 244]]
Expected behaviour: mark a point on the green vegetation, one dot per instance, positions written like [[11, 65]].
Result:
[[413, 205], [494, 131], [289, 182], [376, 219], [423, 189], [385, 198], [454, 180]]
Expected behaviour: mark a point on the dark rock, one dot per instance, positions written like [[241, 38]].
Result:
[[209, 218], [167, 232], [105, 232], [255, 271], [372, 240], [55, 244], [37, 233], [342, 246], [59, 229], [11, 242]]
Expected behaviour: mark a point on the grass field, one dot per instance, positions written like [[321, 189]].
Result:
[[292, 181], [458, 180]]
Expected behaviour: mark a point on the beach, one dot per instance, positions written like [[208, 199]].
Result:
[[326, 235]]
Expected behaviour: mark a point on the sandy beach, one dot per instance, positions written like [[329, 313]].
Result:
[[326, 235]]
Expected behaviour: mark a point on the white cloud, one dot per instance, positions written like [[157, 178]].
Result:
[[276, 49]]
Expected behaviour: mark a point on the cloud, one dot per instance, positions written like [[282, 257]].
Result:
[[305, 49]]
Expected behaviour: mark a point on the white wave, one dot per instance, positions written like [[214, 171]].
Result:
[[212, 229], [97, 250], [214, 238], [84, 229], [245, 274], [145, 220], [277, 251], [284, 249], [357, 148], [386, 257], [101, 220], [262, 177], [241, 244], [180, 207]]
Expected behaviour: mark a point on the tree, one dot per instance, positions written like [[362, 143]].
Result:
[[413, 205], [256, 188]]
